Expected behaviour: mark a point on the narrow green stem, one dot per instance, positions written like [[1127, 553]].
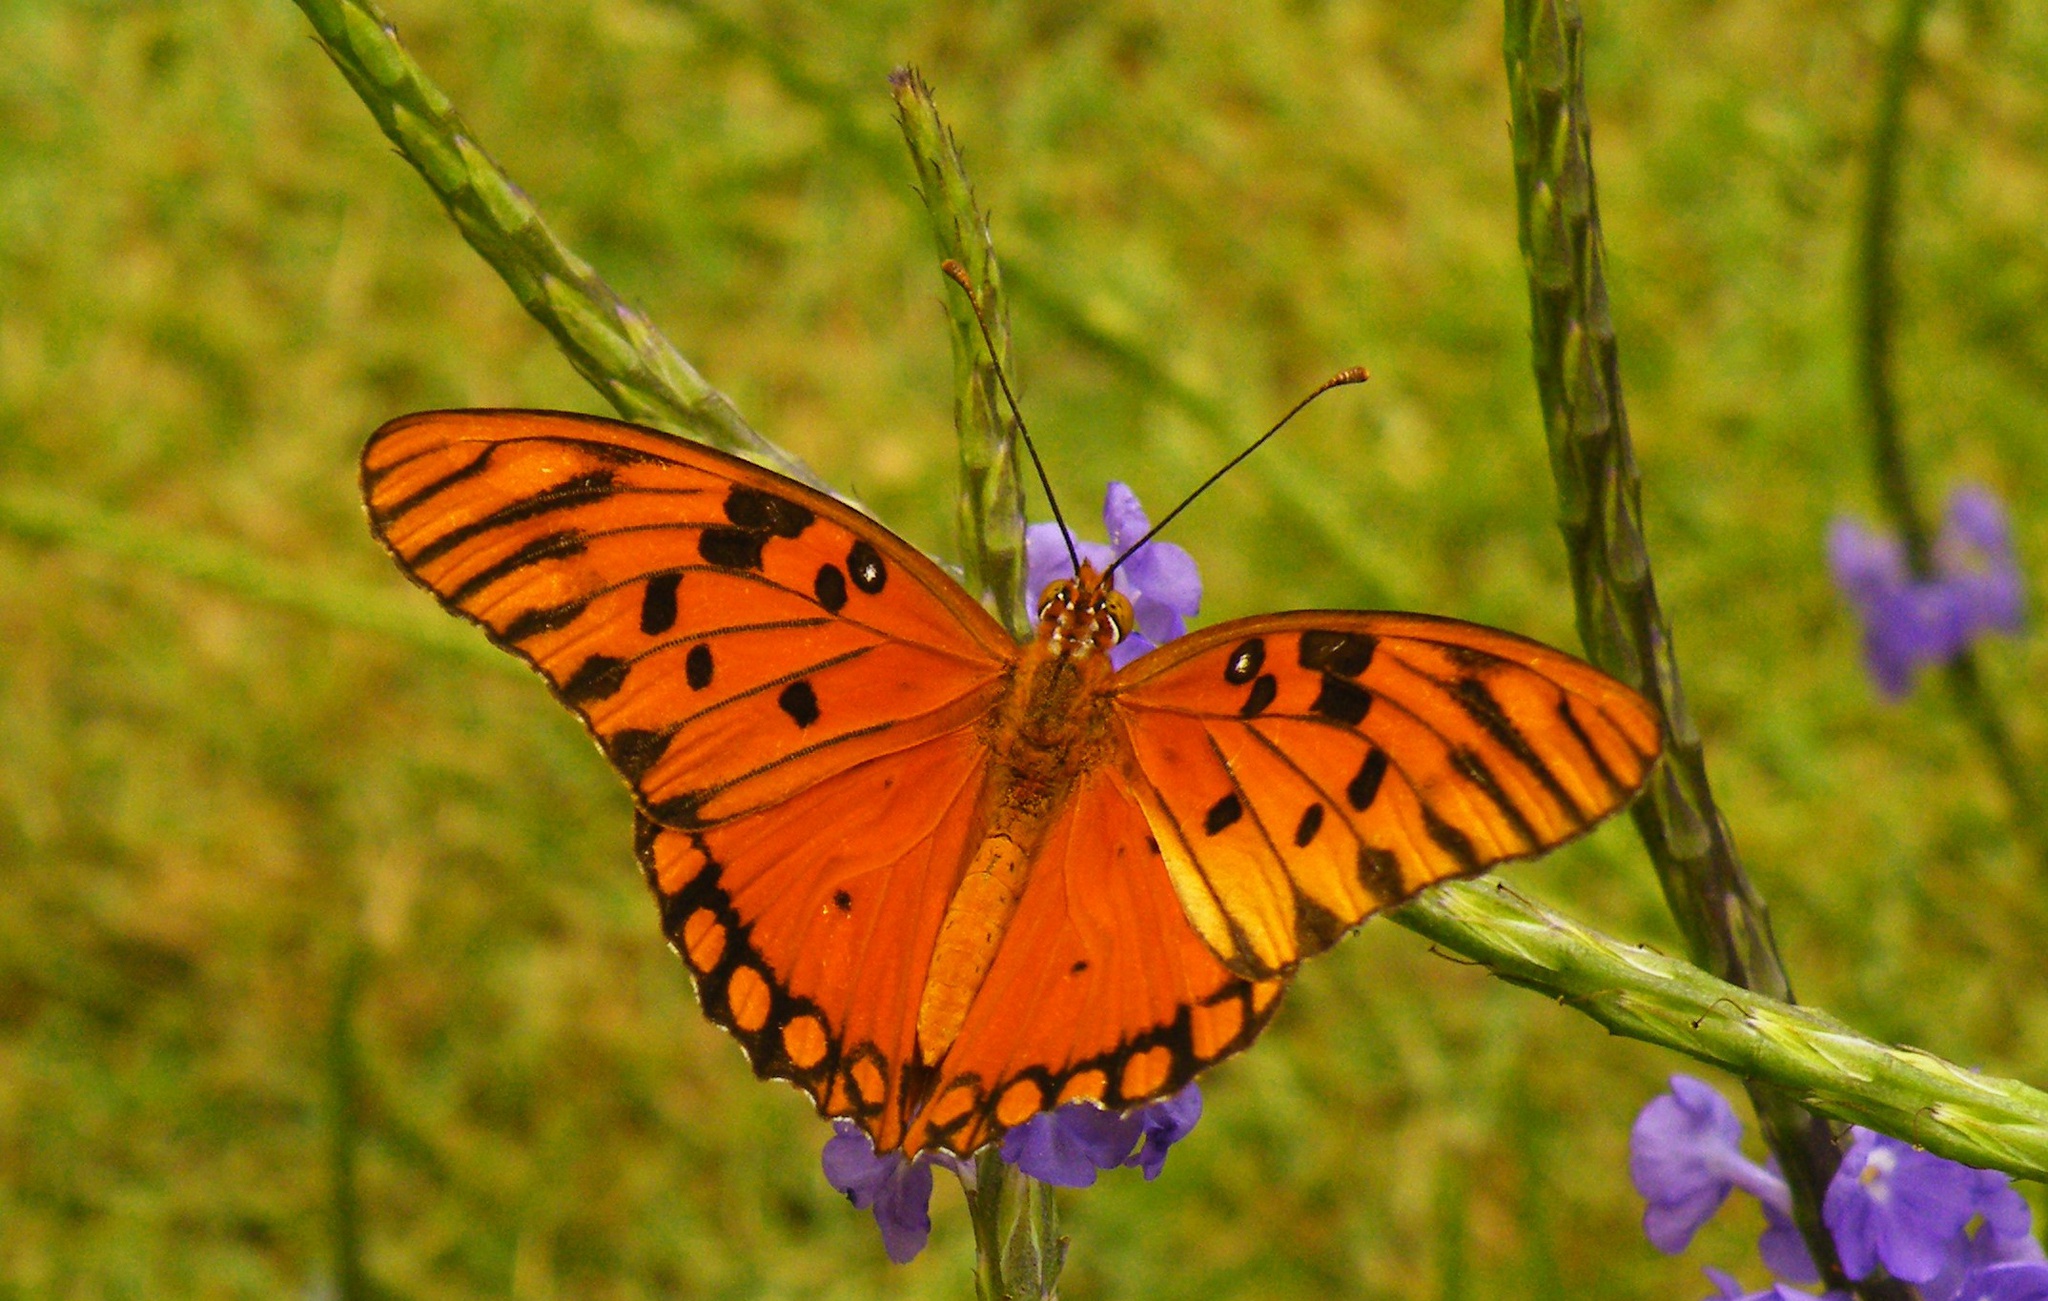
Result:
[[1623, 626], [1017, 1244], [1876, 306], [991, 513], [611, 345], [1877, 291]]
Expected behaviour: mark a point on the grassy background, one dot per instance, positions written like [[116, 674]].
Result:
[[215, 280]]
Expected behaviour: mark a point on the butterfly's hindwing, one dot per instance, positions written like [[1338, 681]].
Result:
[[1306, 770], [1101, 990], [809, 927]]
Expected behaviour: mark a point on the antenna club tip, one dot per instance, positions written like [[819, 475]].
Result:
[[958, 275], [1353, 375]]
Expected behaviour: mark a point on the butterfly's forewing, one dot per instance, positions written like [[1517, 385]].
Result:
[[1101, 989], [1302, 771], [729, 636]]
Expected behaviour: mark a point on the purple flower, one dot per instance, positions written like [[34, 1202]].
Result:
[[896, 1189], [1685, 1156], [1893, 1205], [1907, 622], [1070, 1145], [1160, 580], [1998, 1234], [1166, 1122]]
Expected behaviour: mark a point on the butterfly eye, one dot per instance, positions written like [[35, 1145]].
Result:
[[1116, 608], [1055, 595]]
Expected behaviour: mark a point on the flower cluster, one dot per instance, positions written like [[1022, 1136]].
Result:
[[1160, 580], [1908, 622], [1957, 1233], [1066, 1147], [1069, 1145]]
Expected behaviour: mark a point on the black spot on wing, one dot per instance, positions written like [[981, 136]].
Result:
[[551, 546], [597, 678], [1481, 706], [658, 603], [1306, 829], [864, 566], [1261, 695], [1315, 926], [1342, 700], [731, 548], [1380, 873], [1346, 654], [680, 811], [549, 618], [634, 750], [579, 491], [1222, 814], [1245, 662], [830, 588], [799, 702], [764, 512], [1365, 787], [842, 901], [1451, 840], [697, 667]]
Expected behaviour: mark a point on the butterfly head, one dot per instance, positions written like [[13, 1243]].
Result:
[[1083, 615]]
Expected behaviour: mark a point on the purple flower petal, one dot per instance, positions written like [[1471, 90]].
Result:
[[1123, 516], [1893, 1205], [2023, 1281], [1069, 1145], [1165, 1123], [1783, 1249], [898, 1191], [1685, 1158], [1976, 518]]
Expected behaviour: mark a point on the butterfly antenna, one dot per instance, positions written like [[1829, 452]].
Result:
[[958, 275], [1355, 375]]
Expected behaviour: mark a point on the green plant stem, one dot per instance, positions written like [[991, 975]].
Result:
[[41, 516], [611, 345], [1813, 1059], [1017, 1244], [1876, 306], [991, 511], [1620, 620]]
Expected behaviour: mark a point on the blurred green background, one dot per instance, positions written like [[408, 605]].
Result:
[[216, 279]]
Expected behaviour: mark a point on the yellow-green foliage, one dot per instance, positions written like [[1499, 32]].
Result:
[[216, 279]]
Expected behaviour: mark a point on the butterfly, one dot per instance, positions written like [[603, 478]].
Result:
[[942, 881]]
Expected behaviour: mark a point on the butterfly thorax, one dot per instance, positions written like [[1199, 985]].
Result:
[[1053, 726]]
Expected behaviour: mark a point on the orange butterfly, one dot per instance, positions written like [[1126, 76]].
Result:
[[941, 881]]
